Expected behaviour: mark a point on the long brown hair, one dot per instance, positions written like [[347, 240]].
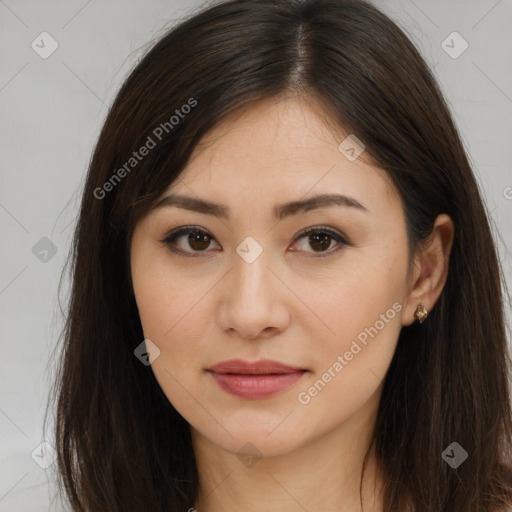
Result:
[[121, 444]]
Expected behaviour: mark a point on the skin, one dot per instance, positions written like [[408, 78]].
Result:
[[289, 305]]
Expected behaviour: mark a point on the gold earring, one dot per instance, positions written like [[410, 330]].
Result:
[[421, 313]]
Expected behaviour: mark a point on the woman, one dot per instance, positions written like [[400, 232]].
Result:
[[286, 295]]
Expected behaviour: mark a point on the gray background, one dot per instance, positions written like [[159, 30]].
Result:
[[51, 113]]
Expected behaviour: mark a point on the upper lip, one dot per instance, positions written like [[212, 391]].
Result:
[[262, 367]]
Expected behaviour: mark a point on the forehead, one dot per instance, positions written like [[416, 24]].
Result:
[[282, 148]]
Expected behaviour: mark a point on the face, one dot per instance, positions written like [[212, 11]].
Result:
[[238, 282]]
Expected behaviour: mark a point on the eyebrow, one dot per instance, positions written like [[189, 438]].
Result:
[[280, 211]]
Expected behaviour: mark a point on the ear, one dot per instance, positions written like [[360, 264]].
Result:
[[430, 268]]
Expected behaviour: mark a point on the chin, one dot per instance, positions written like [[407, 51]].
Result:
[[256, 438]]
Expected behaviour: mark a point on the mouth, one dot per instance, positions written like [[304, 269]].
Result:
[[260, 379]]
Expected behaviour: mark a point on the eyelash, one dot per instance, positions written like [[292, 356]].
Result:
[[171, 237]]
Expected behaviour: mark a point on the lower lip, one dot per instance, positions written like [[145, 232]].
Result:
[[256, 386]]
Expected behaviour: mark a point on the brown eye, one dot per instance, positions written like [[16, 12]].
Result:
[[319, 239], [188, 240], [198, 241]]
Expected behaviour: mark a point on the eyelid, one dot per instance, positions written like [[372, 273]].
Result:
[[183, 230]]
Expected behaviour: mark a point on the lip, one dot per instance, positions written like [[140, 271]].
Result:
[[261, 367], [260, 379]]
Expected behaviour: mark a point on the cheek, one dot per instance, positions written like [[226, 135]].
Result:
[[367, 286], [154, 299], [363, 312], [171, 310], [164, 308], [364, 316], [161, 292]]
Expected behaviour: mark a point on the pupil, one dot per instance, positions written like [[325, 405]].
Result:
[[196, 238], [323, 237]]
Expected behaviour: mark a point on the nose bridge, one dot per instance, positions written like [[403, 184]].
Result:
[[249, 299], [250, 271]]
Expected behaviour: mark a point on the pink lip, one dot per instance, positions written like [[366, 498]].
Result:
[[255, 380]]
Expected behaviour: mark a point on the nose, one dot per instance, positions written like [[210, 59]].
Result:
[[253, 300]]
